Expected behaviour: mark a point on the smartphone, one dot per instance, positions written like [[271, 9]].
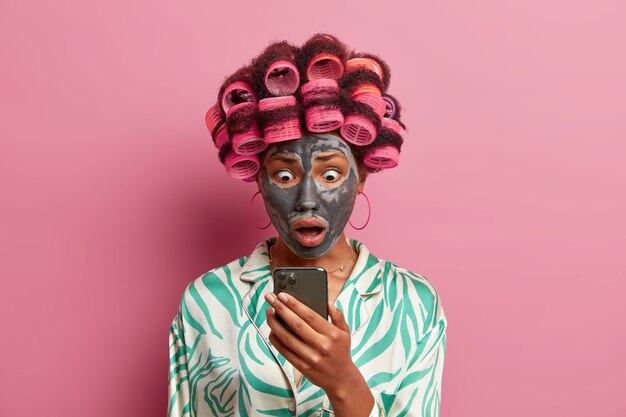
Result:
[[308, 285]]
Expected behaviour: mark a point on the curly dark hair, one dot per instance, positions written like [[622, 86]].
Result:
[[254, 74]]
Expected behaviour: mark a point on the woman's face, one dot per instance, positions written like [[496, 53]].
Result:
[[309, 187]]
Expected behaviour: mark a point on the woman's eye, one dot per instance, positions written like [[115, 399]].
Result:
[[284, 176], [331, 175]]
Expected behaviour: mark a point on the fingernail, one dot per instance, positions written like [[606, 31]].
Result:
[[283, 297], [269, 311], [270, 297]]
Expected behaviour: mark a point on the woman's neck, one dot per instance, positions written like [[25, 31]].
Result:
[[340, 254]]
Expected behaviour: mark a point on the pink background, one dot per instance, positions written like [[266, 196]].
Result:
[[509, 196]]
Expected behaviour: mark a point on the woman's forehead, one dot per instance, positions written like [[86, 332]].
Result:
[[310, 145]]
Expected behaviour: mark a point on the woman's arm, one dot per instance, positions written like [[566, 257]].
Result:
[[419, 392], [178, 386]]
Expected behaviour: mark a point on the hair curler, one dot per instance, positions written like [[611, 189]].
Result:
[[282, 78], [214, 117], [358, 130], [365, 91], [237, 93], [247, 140], [382, 157], [241, 166], [366, 63], [391, 124], [221, 136], [324, 66], [322, 56], [284, 128], [390, 106], [321, 101], [372, 99]]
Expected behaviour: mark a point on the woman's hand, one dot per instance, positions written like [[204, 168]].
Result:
[[320, 351]]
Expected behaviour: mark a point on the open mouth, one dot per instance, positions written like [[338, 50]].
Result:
[[309, 231]]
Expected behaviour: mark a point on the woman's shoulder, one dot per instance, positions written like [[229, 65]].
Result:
[[398, 281], [395, 275], [218, 281], [229, 282], [414, 291]]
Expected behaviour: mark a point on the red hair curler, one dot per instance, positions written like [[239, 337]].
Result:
[[284, 129], [249, 141], [282, 78], [327, 115], [237, 93], [383, 157], [241, 166]]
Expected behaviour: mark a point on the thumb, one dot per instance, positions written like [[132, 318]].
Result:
[[336, 316]]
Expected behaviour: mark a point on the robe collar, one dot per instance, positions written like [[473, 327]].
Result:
[[365, 276]]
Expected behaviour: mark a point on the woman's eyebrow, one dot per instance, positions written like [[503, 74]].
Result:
[[285, 158], [328, 157]]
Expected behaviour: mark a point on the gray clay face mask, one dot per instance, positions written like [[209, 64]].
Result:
[[309, 187]]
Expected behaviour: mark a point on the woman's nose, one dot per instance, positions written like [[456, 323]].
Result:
[[306, 199]]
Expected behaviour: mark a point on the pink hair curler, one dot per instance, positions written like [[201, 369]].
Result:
[[367, 63], [390, 107], [250, 141], [214, 117], [391, 124], [375, 101], [282, 130], [321, 88], [383, 157], [221, 136], [358, 130], [324, 117], [324, 66], [320, 119], [237, 93], [282, 78], [241, 166], [250, 179]]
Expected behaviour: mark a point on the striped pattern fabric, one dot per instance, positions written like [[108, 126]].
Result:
[[222, 363]]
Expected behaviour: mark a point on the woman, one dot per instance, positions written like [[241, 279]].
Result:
[[382, 351]]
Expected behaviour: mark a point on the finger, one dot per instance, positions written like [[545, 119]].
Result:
[[310, 316], [337, 318], [289, 354], [295, 322], [287, 337]]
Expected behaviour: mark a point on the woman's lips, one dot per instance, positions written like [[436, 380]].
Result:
[[309, 231]]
